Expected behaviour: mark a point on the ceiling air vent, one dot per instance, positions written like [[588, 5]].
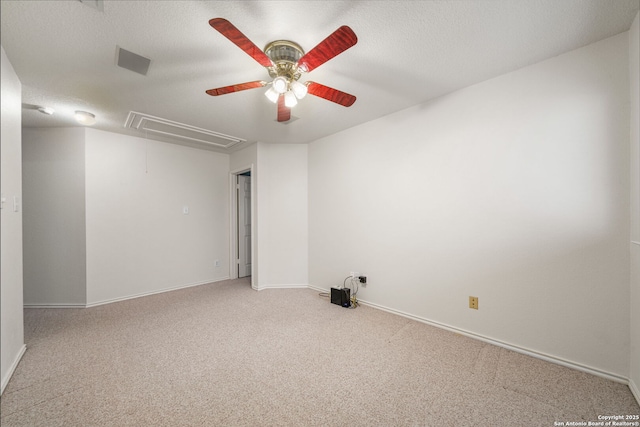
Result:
[[132, 61], [178, 130]]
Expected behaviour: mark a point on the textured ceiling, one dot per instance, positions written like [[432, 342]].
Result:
[[408, 52]]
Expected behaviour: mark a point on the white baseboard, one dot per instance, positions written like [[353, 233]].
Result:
[[634, 390], [12, 368], [54, 306], [262, 288], [160, 291], [124, 298], [315, 288], [517, 349]]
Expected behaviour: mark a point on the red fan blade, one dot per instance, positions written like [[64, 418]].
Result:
[[236, 88], [330, 94], [339, 41], [284, 112], [228, 30]]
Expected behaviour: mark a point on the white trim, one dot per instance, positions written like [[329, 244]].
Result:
[[517, 349], [54, 305], [634, 390], [109, 301], [262, 288], [144, 294], [12, 368], [315, 288]]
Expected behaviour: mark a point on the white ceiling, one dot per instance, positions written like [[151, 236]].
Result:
[[408, 52]]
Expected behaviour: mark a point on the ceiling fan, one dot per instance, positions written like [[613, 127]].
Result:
[[286, 62]]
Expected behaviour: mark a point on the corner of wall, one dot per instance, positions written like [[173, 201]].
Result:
[[634, 85], [6, 376], [12, 345]]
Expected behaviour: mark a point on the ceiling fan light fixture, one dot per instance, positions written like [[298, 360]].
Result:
[[272, 95], [280, 84], [299, 90], [85, 118], [290, 99]]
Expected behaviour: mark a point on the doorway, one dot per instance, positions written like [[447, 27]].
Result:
[[243, 224], [242, 205]]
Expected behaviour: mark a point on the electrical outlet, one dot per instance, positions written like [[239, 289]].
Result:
[[473, 302], [363, 279]]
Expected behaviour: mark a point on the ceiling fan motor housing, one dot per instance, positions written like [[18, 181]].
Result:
[[285, 55]]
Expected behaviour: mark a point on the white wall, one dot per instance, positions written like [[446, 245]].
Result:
[[283, 215], [138, 239], [515, 190], [243, 158], [54, 216], [11, 279], [634, 79]]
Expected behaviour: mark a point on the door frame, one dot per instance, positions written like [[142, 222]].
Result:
[[233, 228]]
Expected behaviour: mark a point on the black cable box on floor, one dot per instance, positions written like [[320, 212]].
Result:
[[341, 296]]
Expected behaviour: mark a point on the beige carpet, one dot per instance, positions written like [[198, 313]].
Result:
[[225, 355]]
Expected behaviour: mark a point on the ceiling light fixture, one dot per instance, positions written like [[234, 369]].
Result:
[[299, 90], [280, 84], [272, 95], [46, 110], [85, 118], [290, 88], [41, 108], [290, 99], [284, 57]]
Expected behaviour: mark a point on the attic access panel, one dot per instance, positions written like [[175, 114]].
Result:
[[182, 131]]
